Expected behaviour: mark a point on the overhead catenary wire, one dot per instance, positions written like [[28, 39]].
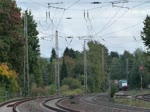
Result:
[[60, 19], [107, 24], [122, 15], [73, 4], [122, 29], [93, 22]]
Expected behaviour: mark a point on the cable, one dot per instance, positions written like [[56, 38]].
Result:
[[98, 14], [44, 26], [72, 4], [140, 4], [60, 19], [91, 26], [37, 3], [122, 15], [107, 24], [122, 29]]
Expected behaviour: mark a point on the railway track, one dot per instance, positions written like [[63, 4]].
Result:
[[104, 101], [51, 104], [144, 97], [40, 104], [8, 106]]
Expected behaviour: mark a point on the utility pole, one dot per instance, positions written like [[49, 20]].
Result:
[[57, 75], [103, 65], [109, 83], [141, 81], [27, 56], [127, 68], [24, 60], [24, 71], [141, 70], [85, 68]]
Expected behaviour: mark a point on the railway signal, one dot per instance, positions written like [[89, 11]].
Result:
[[141, 69]]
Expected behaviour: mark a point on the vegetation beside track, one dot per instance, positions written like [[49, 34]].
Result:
[[132, 102]]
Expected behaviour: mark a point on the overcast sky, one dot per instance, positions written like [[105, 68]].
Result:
[[115, 23]]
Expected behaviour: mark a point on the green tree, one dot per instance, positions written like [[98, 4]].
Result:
[[145, 34], [116, 69], [11, 39], [70, 52], [43, 65], [94, 57], [63, 71], [113, 55], [53, 55], [135, 76]]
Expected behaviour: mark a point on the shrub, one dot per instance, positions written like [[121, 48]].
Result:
[[113, 90], [72, 83], [52, 89]]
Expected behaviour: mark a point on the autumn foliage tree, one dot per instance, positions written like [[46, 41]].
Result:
[[8, 78], [11, 35]]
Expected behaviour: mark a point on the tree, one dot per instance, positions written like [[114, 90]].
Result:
[[8, 78], [53, 55], [63, 71], [11, 38], [113, 55], [94, 57], [70, 52], [145, 34], [43, 65]]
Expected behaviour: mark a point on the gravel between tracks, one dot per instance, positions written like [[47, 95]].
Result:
[[33, 106], [86, 105]]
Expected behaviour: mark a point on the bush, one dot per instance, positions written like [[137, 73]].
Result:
[[66, 91], [52, 89], [64, 88], [113, 90], [8, 78], [72, 83], [39, 91]]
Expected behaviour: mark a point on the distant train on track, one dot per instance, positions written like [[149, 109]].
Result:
[[123, 85]]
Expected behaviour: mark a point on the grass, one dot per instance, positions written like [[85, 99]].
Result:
[[2, 94], [2, 100], [138, 92], [132, 102]]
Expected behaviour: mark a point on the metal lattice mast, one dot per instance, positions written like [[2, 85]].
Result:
[[24, 62], [127, 68], [85, 68], [103, 74], [27, 55], [57, 64]]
